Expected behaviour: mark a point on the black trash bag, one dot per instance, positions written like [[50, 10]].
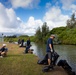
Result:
[[66, 67], [64, 64], [55, 57], [47, 68], [44, 61]]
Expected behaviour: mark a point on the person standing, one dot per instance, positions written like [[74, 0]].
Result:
[[50, 49]]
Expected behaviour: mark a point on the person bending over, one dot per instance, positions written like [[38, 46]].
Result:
[[28, 45], [3, 51]]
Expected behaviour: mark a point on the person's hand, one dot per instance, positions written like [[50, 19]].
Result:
[[51, 50]]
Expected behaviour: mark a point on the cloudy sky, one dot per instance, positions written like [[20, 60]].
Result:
[[25, 16]]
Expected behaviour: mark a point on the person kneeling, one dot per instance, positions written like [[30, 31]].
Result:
[[3, 51]]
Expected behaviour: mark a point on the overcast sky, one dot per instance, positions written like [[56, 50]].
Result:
[[25, 16]]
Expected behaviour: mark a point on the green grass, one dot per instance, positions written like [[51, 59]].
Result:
[[17, 63]]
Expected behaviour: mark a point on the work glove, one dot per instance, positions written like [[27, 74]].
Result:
[[51, 50]]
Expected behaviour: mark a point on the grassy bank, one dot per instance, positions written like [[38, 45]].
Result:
[[17, 63]]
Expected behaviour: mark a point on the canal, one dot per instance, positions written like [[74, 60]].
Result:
[[67, 52]]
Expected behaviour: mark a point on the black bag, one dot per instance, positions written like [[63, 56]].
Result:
[[47, 68], [66, 67], [44, 61], [64, 64], [54, 58]]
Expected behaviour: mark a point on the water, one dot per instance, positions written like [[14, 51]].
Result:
[[67, 52]]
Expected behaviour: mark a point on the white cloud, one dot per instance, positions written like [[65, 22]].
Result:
[[31, 25], [8, 18], [24, 3], [10, 23], [68, 4], [55, 18], [73, 7]]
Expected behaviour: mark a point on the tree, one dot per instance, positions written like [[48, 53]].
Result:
[[72, 22], [38, 34], [42, 32], [73, 17], [45, 29]]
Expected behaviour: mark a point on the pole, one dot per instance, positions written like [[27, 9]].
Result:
[[2, 38]]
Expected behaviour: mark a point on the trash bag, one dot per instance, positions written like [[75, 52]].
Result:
[[55, 57], [64, 64], [47, 68], [44, 61]]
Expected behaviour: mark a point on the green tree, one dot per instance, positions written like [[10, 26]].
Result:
[[42, 32], [45, 29], [71, 23], [38, 34]]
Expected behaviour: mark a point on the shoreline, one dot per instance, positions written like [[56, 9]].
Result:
[[17, 63]]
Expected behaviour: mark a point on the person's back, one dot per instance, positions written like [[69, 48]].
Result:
[[2, 49], [28, 42], [28, 45], [22, 42], [19, 41]]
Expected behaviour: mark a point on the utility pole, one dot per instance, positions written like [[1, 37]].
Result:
[[2, 38]]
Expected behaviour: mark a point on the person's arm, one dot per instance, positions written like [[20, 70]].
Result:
[[0, 50], [51, 47]]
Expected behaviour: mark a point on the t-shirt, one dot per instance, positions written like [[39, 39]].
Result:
[[3, 49], [49, 41], [28, 42]]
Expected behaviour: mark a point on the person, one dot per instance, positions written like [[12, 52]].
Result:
[[28, 44], [3, 51], [50, 49], [19, 41], [22, 42]]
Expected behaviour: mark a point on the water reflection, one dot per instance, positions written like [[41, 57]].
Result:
[[67, 52], [38, 50]]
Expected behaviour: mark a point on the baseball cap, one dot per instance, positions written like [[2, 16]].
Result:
[[53, 35], [4, 44]]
